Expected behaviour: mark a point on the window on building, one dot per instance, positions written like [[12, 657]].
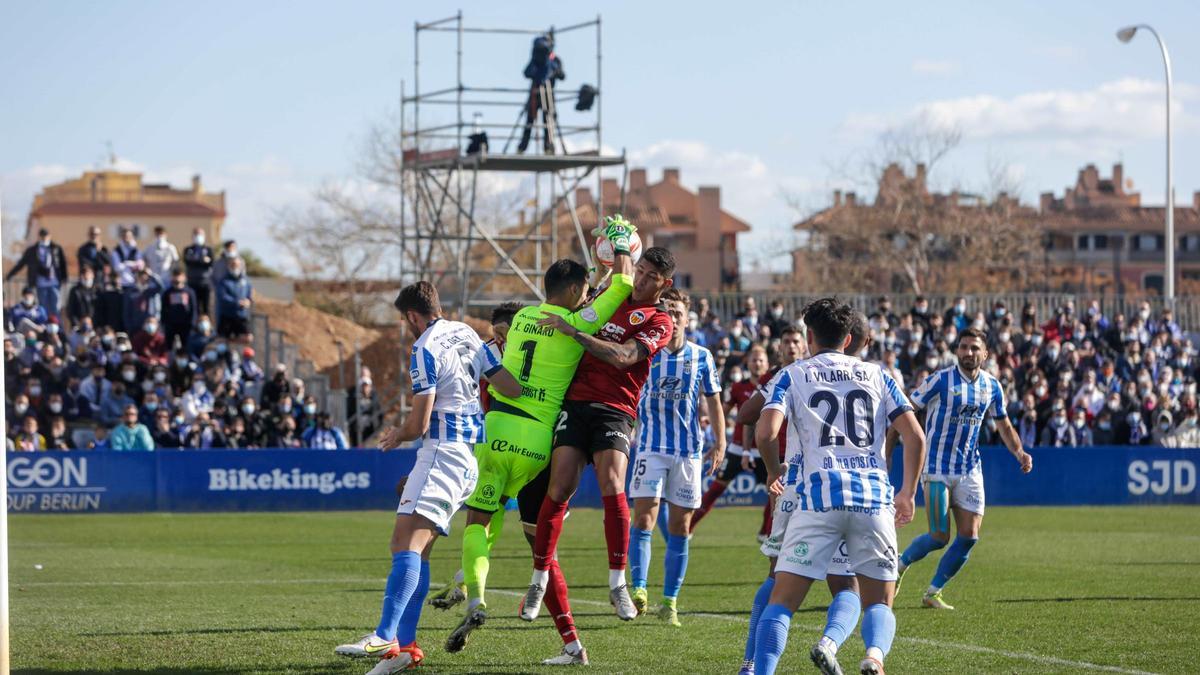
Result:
[[1190, 242], [1148, 242], [683, 280], [1100, 242], [1153, 282]]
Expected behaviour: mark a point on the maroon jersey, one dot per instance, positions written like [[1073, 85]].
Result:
[[762, 389], [739, 393], [599, 382]]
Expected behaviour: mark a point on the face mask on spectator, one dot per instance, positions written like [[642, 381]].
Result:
[[52, 328], [20, 408], [1104, 425], [55, 407], [151, 405], [205, 326], [736, 331], [248, 408], [735, 376], [198, 387], [284, 408], [931, 362], [1041, 391], [222, 348], [310, 409], [28, 300], [1080, 422], [1036, 340], [35, 391], [181, 362], [178, 420], [151, 327], [128, 374], [160, 376], [1059, 420], [1052, 354], [1145, 314]]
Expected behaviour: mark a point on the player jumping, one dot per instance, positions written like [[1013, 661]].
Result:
[[669, 463], [958, 399], [520, 428], [447, 358], [840, 409], [597, 420]]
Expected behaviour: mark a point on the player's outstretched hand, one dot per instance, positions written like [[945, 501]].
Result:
[[389, 439], [905, 505], [1026, 461], [557, 323]]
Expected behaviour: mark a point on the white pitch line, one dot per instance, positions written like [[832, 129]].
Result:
[[1026, 656]]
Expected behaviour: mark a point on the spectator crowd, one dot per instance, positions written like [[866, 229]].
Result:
[[147, 349], [1077, 378]]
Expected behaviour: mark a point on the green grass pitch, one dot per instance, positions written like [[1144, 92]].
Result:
[[1047, 590]]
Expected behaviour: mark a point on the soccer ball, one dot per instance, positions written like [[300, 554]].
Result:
[[604, 250]]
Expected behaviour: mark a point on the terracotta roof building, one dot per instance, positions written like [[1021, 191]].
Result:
[[112, 200], [692, 225]]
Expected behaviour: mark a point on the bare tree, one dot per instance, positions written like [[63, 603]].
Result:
[[911, 238]]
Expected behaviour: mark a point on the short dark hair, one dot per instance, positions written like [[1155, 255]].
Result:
[[971, 333], [159, 229], [829, 322], [860, 334], [505, 312], [421, 298], [673, 294], [662, 260], [790, 329], [562, 275]]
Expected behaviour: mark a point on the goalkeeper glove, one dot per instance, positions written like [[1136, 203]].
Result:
[[619, 232]]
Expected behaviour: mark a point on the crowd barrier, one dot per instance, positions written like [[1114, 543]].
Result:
[[316, 480]]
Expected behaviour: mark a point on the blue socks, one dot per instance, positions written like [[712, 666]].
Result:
[[842, 616], [639, 556], [772, 638], [919, 548], [953, 560], [402, 582], [662, 521], [879, 628], [407, 633], [676, 563], [760, 603]]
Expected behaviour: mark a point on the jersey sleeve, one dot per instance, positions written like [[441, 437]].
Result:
[[776, 395], [591, 317], [423, 371], [895, 403], [708, 373], [997, 404], [927, 391], [487, 359], [656, 333]]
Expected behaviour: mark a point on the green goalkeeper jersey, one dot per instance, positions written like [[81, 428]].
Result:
[[544, 360]]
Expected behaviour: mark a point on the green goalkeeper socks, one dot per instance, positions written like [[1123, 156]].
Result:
[[475, 560], [495, 527]]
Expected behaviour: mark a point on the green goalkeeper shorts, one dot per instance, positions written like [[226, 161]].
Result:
[[516, 451]]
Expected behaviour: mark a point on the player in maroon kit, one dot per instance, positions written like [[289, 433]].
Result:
[[597, 421], [741, 455]]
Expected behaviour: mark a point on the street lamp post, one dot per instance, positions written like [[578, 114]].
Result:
[[1125, 35]]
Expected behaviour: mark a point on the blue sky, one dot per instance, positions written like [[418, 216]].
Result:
[[269, 99]]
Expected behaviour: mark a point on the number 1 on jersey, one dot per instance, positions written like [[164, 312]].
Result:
[[527, 364]]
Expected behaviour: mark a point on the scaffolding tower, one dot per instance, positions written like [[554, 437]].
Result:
[[442, 239]]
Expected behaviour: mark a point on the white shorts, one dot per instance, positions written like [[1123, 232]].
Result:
[[966, 491], [675, 479], [785, 506], [814, 539], [441, 480]]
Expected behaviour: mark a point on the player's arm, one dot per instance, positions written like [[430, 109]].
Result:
[[766, 437], [913, 437], [1012, 441], [414, 425], [620, 355], [488, 362], [716, 417], [591, 317], [749, 411]]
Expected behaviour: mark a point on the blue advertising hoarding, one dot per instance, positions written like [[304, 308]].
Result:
[[315, 480]]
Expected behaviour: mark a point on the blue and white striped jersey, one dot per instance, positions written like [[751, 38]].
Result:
[[447, 360], [669, 407], [956, 408], [840, 409]]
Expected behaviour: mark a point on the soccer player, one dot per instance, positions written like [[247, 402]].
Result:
[[502, 315], [840, 409], [597, 421], [844, 609], [669, 463], [520, 428], [957, 399], [447, 357], [742, 455]]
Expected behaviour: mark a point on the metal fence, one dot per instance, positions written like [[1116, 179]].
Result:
[[1187, 309], [272, 348]]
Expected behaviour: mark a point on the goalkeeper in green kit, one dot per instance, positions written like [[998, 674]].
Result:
[[519, 431]]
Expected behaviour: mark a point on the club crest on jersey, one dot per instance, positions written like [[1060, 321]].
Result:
[[637, 317], [589, 314]]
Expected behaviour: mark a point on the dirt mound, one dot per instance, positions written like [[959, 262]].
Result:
[[316, 334]]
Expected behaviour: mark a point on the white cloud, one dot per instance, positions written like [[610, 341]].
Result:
[[1122, 110], [934, 67], [750, 189]]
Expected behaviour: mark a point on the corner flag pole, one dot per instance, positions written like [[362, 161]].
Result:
[[4, 643]]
